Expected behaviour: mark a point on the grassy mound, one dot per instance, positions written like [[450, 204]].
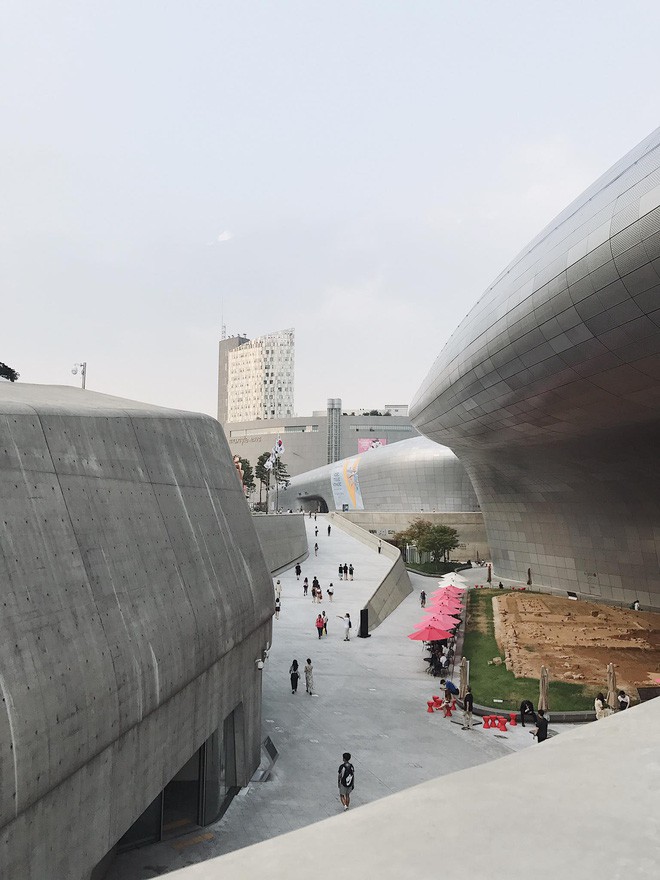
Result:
[[490, 683]]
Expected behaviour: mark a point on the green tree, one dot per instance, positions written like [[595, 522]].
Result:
[[262, 473], [439, 541], [280, 474], [415, 532], [248, 475]]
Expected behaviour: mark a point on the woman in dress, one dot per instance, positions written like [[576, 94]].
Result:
[[309, 677], [601, 707], [295, 675]]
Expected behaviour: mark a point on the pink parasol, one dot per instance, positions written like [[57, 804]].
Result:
[[441, 621], [429, 634]]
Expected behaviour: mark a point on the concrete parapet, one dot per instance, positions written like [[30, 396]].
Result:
[[394, 587]]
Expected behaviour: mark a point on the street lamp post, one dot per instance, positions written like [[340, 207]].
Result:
[[83, 372]]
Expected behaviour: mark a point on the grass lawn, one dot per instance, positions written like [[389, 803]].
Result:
[[496, 682]]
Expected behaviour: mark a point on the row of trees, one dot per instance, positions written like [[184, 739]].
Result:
[[426, 536], [277, 476]]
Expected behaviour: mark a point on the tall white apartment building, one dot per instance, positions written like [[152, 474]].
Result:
[[256, 377]]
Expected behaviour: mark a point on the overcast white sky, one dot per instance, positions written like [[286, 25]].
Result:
[[357, 170]]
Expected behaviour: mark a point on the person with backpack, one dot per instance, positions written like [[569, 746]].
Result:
[[346, 780], [295, 675], [319, 625], [346, 619]]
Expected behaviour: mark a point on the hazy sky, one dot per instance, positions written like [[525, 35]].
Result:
[[357, 170]]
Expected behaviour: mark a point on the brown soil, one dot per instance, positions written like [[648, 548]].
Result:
[[576, 640]]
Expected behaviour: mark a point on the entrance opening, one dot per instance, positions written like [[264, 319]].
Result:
[[197, 795]]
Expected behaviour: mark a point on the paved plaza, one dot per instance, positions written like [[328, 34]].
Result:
[[370, 699]]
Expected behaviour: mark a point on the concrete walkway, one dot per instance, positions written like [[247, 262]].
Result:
[[370, 699]]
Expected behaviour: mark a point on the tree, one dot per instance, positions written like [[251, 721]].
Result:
[[8, 372], [280, 474], [248, 476], [261, 473], [438, 541]]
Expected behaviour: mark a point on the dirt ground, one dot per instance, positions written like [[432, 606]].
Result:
[[576, 640]]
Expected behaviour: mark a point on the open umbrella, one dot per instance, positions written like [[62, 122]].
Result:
[[544, 686], [446, 604], [430, 634], [463, 680], [452, 617], [612, 700], [441, 622]]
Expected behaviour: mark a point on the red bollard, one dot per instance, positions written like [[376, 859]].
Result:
[[512, 719], [429, 703], [447, 709], [487, 722], [501, 723]]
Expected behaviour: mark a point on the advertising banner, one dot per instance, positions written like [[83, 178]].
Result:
[[346, 485], [367, 443]]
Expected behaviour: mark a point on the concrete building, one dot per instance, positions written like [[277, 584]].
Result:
[[312, 441], [549, 393], [256, 377], [384, 489], [136, 602]]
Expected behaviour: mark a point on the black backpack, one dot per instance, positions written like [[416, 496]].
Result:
[[347, 775]]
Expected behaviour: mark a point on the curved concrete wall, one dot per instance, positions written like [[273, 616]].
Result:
[[283, 539], [549, 393], [415, 474], [394, 587], [136, 599]]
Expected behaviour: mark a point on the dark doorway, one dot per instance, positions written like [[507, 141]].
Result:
[[182, 798]]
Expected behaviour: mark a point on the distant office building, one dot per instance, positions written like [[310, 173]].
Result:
[[256, 377], [312, 441]]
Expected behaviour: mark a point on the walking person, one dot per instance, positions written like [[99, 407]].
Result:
[[277, 608], [329, 530], [468, 706], [331, 591], [315, 588], [309, 677], [313, 595], [316, 531], [341, 572], [316, 549], [295, 675], [345, 570], [278, 589], [319, 625], [350, 572], [346, 780], [325, 623], [422, 598], [380, 546], [346, 619], [305, 586], [319, 595], [298, 571]]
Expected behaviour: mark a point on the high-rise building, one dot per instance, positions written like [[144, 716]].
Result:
[[256, 377]]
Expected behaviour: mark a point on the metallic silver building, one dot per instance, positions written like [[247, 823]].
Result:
[[412, 475], [549, 393]]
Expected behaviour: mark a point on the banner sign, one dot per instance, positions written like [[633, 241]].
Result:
[[367, 443], [346, 485]]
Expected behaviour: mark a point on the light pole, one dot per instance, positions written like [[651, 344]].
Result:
[[83, 372]]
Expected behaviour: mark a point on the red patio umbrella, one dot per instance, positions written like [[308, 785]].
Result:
[[446, 605], [429, 634], [441, 621]]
